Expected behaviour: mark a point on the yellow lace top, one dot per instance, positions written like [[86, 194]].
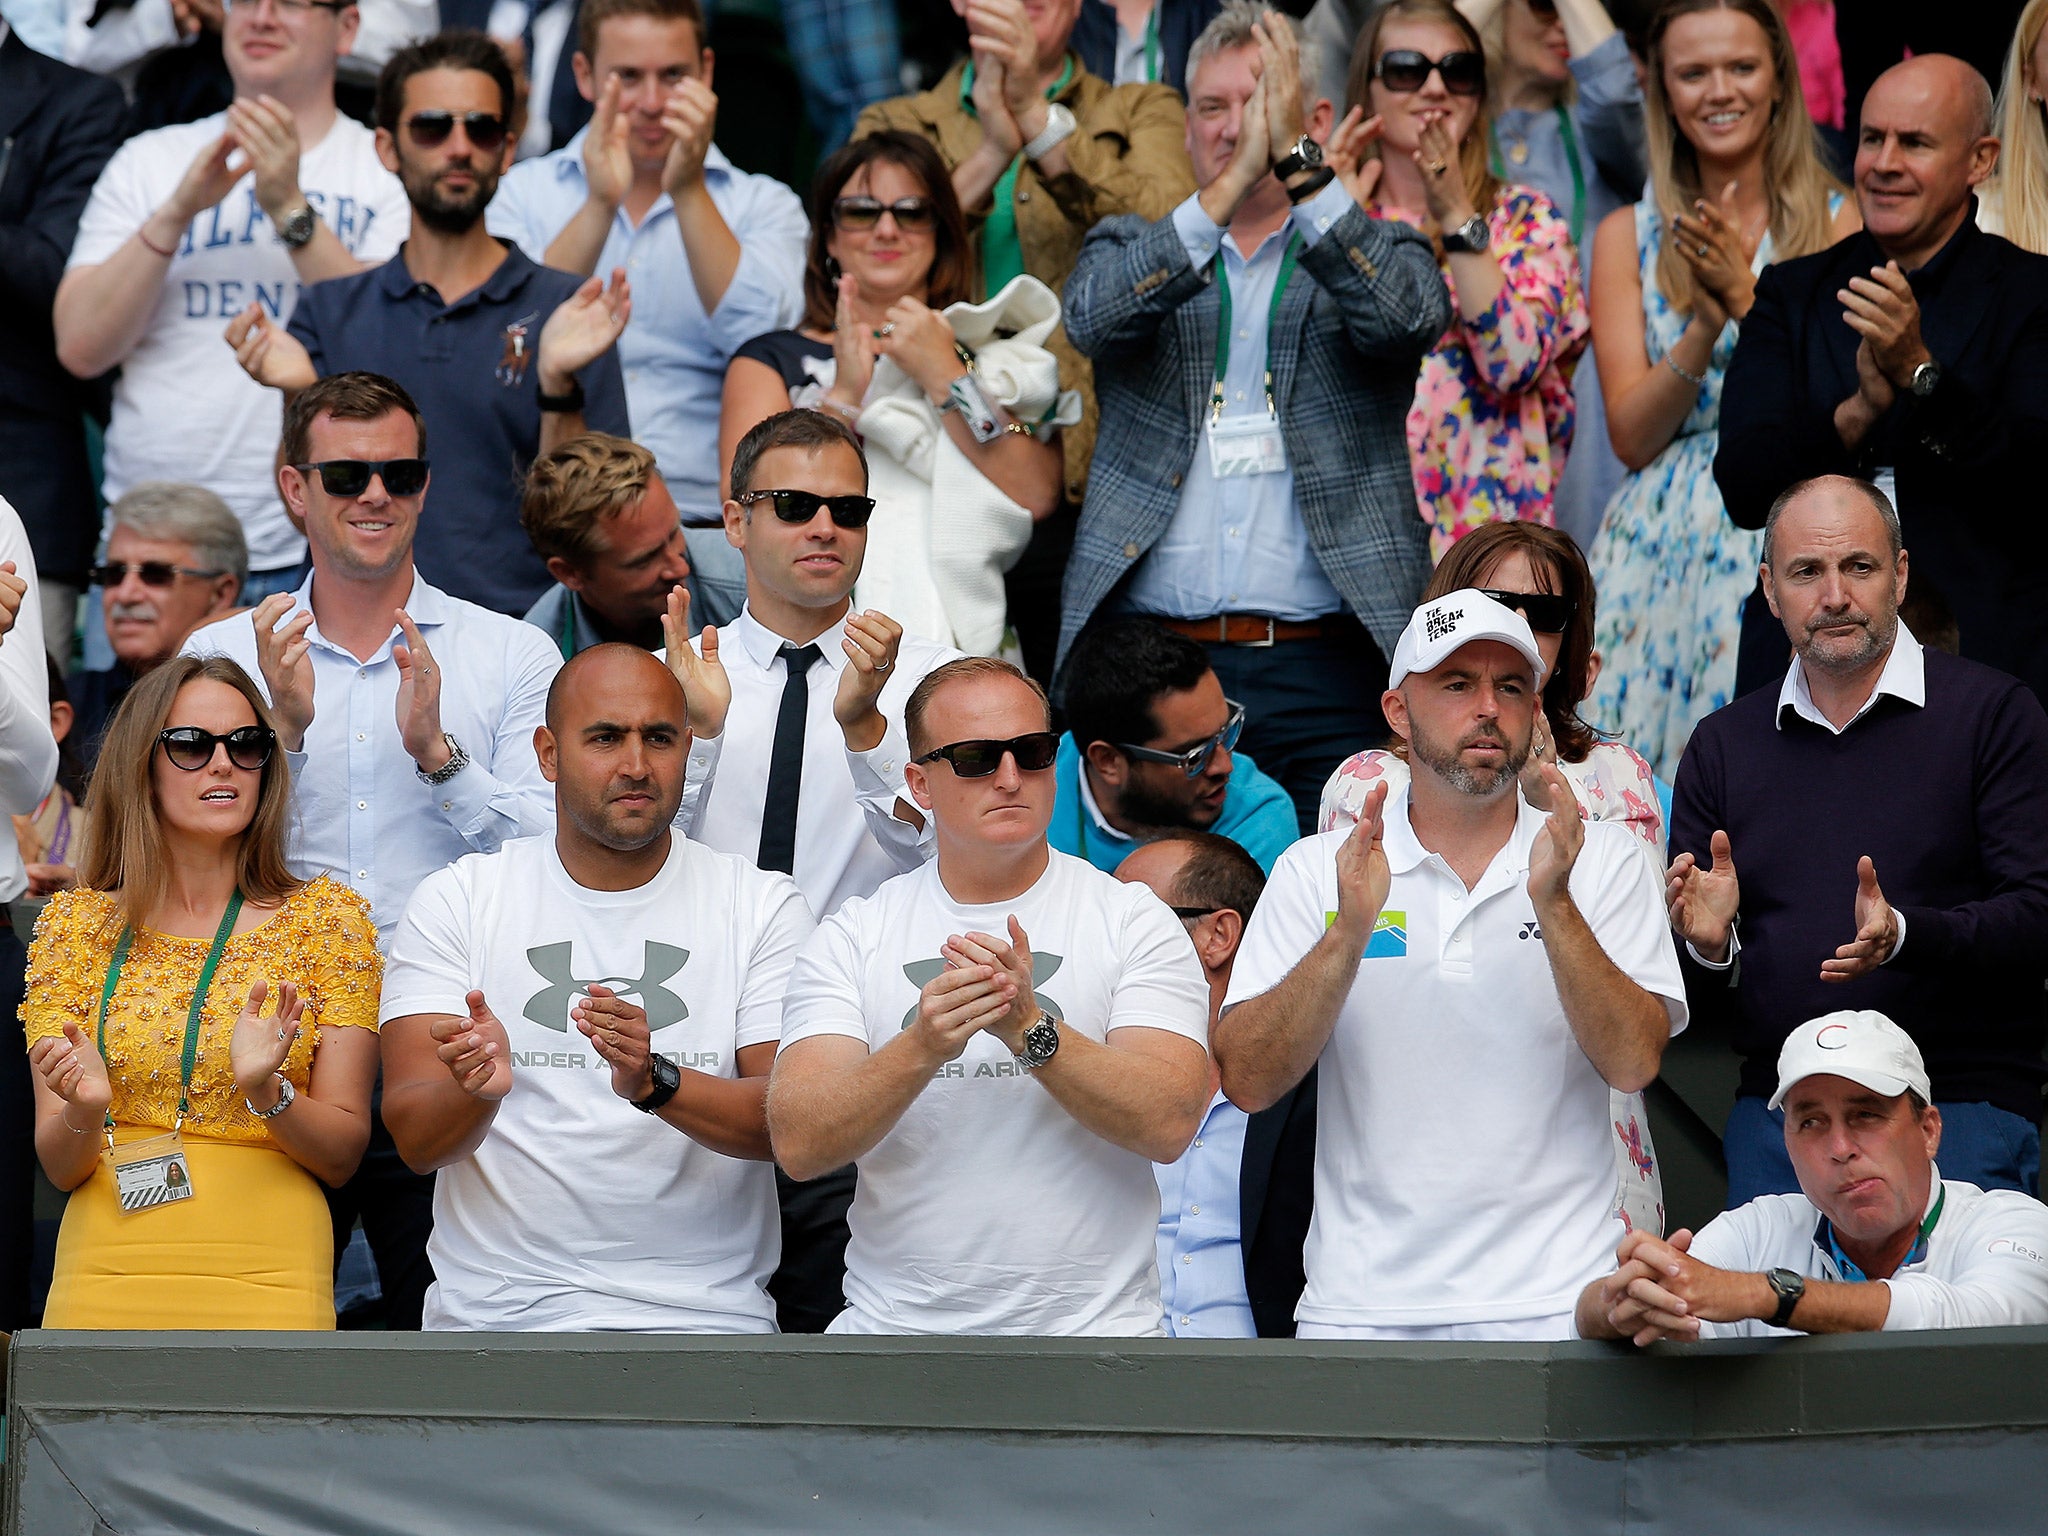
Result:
[[321, 938]]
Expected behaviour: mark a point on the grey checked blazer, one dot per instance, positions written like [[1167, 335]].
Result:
[[1346, 348]]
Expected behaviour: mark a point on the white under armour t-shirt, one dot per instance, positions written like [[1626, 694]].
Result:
[[988, 1209], [579, 1213], [1463, 1171]]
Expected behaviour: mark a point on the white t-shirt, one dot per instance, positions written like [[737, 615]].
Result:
[[1462, 1166], [1985, 1264], [183, 407], [579, 1213], [988, 1208]]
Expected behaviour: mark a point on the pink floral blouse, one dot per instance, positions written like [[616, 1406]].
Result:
[[1493, 411]]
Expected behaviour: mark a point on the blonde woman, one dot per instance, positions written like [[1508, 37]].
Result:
[[202, 1028], [1736, 182], [2014, 203]]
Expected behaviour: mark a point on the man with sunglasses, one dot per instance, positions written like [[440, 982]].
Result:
[[717, 254], [1150, 748], [1255, 356], [506, 358], [1002, 1041], [191, 223]]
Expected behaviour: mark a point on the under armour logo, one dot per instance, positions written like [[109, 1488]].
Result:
[[1043, 967], [1530, 931], [550, 1006]]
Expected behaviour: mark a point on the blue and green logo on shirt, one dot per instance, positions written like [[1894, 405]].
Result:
[[1389, 939]]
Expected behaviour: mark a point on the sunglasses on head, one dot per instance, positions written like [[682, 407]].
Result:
[[351, 477], [1547, 613], [190, 748], [1404, 70], [486, 130], [866, 212], [1195, 759], [154, 573], [1034, 752], [802, 506]]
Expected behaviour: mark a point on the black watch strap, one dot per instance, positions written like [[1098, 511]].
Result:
[[572, 401], [1312, 186], [668, 1077], [1791, 1288]]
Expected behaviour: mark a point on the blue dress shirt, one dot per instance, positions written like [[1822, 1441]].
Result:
[[1201, 1255]]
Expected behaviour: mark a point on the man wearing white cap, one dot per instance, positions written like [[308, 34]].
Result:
[[1876, 1240], [1473, 974]]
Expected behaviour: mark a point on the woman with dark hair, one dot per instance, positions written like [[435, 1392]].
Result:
[[202, 1027]]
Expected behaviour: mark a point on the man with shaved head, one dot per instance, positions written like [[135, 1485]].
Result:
[[617, 976], [1913, 354]]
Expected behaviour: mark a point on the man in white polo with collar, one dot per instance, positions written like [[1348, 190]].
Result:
[[1876, 1238], [1472, 974]]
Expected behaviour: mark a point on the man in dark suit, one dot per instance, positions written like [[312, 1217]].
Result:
[[1913, 354], [58, 128], [1234, 1209]]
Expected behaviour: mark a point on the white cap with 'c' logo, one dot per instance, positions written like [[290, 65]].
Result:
[[1861, 1045]]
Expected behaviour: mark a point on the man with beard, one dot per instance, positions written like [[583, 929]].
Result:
[[1150, 748], [1884, 807], [506, 358], [1469, 975]]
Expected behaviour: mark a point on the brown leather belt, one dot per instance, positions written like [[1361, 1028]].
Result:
[[1246, 629]]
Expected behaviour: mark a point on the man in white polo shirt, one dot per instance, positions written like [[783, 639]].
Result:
[[1877, 1238], [540, 995], [1003, 1041], [1473, 974]]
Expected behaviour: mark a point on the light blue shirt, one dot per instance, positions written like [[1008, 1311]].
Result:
[[673, 354], [1201, 1256], [1238, 544]]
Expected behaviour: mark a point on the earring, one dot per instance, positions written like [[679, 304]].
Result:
[[832, 269]]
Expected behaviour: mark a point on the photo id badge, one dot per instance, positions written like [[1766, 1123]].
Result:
[[152, 1172], [1245, 445]]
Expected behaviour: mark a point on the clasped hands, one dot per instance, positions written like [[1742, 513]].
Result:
[[1272, 120], [1659, 1291], [1703, 904], [986, 985], [1884, 312]]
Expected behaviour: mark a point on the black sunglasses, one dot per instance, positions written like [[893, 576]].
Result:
[[351, 477], [486, 130], [190, 748], [802, 506], [1194, 914], [1547, 613], [866, 212], [978, 759], [1195, 759], [1404, 70], [154, 573], [1547, 9]]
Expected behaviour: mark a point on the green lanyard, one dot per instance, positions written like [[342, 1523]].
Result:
[[1152, 43], [192, 1015], [1569, 137], [568, 626], [1288, 257], [1002, 249]]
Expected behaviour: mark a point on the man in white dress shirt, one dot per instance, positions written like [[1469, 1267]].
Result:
[[407, 717]]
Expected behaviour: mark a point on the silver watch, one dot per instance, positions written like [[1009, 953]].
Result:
[[1059, 126], [1470, 237], [297, 228], [285, 1094], [1926, 379], [1041, 1040], [457, 761]]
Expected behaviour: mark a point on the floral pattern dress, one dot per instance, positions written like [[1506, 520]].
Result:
[[1493, 412]]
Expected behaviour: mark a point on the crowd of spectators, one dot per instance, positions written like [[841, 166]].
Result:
[[1142, 712]]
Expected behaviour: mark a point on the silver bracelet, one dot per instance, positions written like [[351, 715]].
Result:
[[1696, 380]]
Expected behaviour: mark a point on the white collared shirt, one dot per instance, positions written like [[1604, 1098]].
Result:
[[361, 813], [1904, 677], [28, 753], [848, 837]]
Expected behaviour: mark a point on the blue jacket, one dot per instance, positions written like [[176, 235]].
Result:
[[1257, 815]]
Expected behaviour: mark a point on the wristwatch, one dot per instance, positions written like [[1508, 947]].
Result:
[[1059, 126], [1790, 1286], [1041, 1040], [668, 1077], [1306, 155], [1470, 237], [572, 401], [297, 228], [457, 761], [1926, 379], [285, 1094]]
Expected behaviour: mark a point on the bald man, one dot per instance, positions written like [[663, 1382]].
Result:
[[1913, 354], [617, 976]]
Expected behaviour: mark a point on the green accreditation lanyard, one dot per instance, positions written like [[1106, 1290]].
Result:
[[1002, 252], [192, 1015], [1289, 256], [1152, 43], [1849, 1267], [568, 640], [1568, 136]]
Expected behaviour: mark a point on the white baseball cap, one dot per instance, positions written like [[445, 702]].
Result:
[[1457, 619], [1861, 1045]]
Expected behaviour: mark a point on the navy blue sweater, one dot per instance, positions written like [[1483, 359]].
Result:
[[1951, 802]]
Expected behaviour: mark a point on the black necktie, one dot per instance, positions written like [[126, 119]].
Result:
[[786, 762]]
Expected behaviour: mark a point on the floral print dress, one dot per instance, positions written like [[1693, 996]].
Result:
[[1493, 411]]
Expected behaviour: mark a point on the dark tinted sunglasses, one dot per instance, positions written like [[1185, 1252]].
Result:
[[190, 748], [154, 573], [1405, 70], [978, 759], [802, 506], [351, 477], [866, 212], [1547, 613], [1195, 759], [486, 130], [1546, 9], [1194, 914]]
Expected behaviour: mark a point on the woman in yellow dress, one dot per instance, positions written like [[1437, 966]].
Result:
[[202, 1027]]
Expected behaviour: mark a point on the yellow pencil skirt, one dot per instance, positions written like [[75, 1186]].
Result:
[[252, 1248]]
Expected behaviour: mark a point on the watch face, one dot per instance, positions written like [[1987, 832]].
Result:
[[1041, 1040], [667, 1075], [1310, 151]]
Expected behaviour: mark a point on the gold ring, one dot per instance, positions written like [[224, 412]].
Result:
[[1437, 167]]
